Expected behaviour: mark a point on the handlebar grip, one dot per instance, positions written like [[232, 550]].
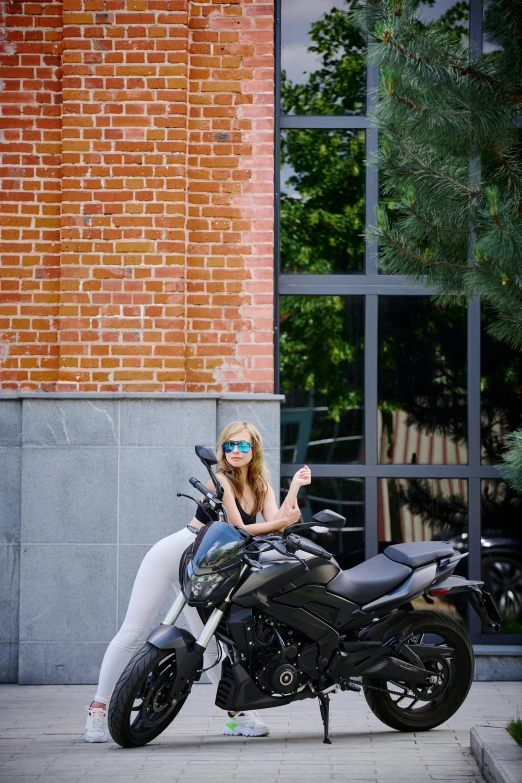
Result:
[[204, 491], [312, 549]]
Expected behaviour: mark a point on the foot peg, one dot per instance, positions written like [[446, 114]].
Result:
[[324, 706]]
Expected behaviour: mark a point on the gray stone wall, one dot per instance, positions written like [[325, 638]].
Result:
[[10, 496], [87, 484]]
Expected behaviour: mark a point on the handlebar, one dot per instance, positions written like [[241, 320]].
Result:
[[293, 543], [201, 488]]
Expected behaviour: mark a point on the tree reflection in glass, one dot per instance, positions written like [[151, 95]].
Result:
[[322, 201], [322, 59], [422, 382], [501, 393], [321, 374]]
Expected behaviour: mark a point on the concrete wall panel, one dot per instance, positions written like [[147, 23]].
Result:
[[87, 486], [69, 495], [70, 422]]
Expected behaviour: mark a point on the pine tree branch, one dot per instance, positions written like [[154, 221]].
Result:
[[426, 261], [518, 32], [506, 282], [507, 167], [409, 102], [465, 70], [439, 228], [438, 174]]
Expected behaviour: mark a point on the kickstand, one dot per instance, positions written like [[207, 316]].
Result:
[[324, 706]]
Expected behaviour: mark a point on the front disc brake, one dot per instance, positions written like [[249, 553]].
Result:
[[157, 704]]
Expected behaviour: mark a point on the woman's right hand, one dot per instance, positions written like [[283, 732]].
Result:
[[292, 514]]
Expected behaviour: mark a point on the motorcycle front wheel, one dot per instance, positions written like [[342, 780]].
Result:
[[408, 707], [141, 708]]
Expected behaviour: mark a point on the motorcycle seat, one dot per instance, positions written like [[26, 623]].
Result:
[[419, 553], [369, 580]]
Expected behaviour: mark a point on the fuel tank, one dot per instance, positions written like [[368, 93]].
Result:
[[281, 573]]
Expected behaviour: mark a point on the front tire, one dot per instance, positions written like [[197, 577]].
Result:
[[140, 708], [405, 713]]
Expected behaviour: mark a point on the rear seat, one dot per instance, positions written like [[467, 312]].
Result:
[[419, 553]]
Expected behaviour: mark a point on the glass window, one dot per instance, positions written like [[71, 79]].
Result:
[[426, 510], [322, 376], [490, 42], [322, 59], [501, 547], [452, 14], [322, 201], [422, 382], [501, 398], [344, 496]]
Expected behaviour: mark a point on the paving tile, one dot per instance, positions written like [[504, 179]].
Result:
[[41, 740]]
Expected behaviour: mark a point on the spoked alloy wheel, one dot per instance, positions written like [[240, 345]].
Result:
[[413, 707], [141, 707]]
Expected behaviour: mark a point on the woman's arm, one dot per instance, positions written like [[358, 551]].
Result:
[[300, 479], [285, 516]]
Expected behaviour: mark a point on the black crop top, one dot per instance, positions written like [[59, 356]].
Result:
[[207, 514]]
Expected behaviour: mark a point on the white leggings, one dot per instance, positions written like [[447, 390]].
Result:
[[159, 569]]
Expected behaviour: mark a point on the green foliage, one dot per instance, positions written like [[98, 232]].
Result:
[[511, 469], [338, 86], [514, 727], [450, 162], [322, 217], [451, 156], [315, 353]]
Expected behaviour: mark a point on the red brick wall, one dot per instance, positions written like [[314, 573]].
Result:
[[136, 223]]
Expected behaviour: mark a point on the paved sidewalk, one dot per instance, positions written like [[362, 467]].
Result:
[[41, 741]]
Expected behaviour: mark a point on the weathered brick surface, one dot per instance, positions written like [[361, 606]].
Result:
[[30, 144], [137, 216]]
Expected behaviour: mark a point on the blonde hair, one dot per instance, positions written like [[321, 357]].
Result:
[[257, 475]]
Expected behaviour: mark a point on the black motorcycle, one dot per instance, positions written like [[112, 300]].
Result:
[[295, 626]]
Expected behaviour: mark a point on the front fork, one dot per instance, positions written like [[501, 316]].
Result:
[[211, 626], [175, 610]]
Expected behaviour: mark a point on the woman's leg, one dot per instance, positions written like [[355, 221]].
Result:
[[159, 568]]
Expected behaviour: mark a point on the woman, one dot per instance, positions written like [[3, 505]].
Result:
[[244, 476]]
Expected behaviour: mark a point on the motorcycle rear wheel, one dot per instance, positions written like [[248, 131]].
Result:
[[455, 674], [140, 708]]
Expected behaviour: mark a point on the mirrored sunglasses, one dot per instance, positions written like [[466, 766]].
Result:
[[243, 445]]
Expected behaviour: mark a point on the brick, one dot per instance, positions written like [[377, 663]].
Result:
[[108, 159]]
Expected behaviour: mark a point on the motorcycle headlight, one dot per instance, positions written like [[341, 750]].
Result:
[[201, 587]]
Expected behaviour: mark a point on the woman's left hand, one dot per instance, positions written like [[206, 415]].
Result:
[[302, 477]]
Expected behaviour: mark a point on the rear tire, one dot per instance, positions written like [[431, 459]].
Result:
[[147, 679], [457, 676]]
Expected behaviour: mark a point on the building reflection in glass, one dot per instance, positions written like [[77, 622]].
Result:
[[426, 510], [501, 393], [322, 376], [422, 382], [501, 547], [345, 496]]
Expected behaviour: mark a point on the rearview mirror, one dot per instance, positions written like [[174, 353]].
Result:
[[327, 518], [206, 454]]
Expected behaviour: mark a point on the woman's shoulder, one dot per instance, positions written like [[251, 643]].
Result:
[[224, 479]]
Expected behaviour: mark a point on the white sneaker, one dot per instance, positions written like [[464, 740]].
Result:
[[96, 729], [246, 724]]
